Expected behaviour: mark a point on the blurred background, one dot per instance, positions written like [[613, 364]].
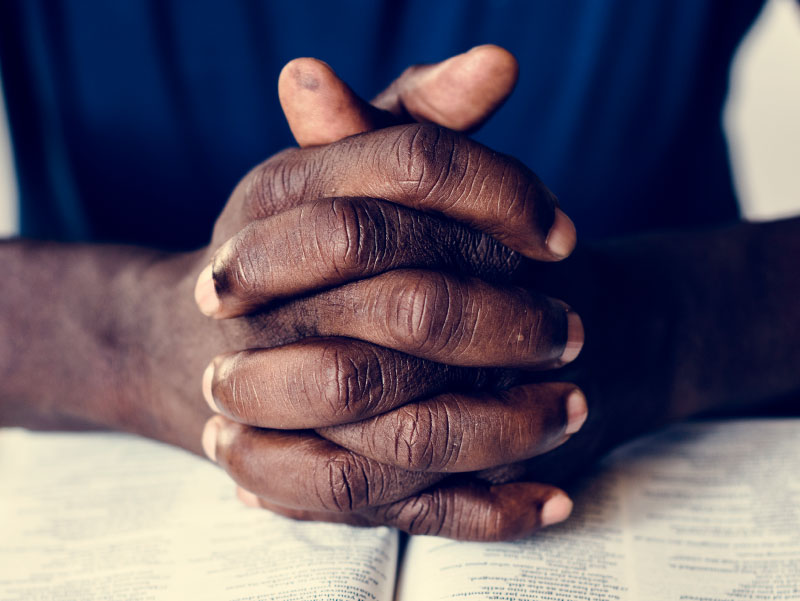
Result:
[[762, 120]]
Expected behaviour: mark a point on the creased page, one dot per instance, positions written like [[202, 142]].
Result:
[[702, 511], [105, 516]]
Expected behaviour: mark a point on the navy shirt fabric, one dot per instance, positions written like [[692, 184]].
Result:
[[132, 121]]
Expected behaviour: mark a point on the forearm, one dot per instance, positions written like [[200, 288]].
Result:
[[60, 333], [76, 323], [692, 322], [740, 347]]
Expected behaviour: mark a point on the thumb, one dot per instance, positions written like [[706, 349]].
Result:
[[460, 93], [320, 108]]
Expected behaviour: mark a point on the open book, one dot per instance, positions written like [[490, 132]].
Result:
[[703, 511]]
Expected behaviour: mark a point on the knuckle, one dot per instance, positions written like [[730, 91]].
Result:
[[413, 438], [276, 184], [429, 157], [342, 484], [423, 514], [422, 311], [446, 512], [343, 381], [352, 236], [427, 437]]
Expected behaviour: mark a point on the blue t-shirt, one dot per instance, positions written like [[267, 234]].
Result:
[[132, 121]]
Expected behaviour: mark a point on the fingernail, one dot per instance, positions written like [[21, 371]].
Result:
[[562, 236], [247, 498], [208, 378], [205, 294], [577, 411], [209, 440], [556, 509], [574, 337]]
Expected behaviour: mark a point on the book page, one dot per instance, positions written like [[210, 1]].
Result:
[[109, 516], [700, 512]]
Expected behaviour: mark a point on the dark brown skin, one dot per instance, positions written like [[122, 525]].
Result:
[[394, 337]]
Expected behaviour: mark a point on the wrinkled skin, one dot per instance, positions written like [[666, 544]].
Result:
[[364, 320], [442, 321]]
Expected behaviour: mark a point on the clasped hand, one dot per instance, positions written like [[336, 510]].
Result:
[[378, 326]]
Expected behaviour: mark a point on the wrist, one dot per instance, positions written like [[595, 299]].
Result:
[[168, 345], [93, 337], [631, 315], [680, 324], [61, 343]]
